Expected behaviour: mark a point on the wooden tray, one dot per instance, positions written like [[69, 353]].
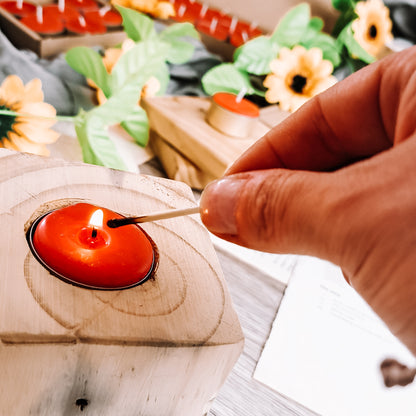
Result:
[[46, 46]]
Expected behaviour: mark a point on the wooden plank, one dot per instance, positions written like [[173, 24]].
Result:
[[177, 166], [181, 123], [166, 328]]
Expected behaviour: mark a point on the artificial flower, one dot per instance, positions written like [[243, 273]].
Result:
[[372, 28], [110, 58], [297, 75], [156, 8], [29, 131]]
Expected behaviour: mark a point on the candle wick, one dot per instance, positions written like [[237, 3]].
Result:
[[233, 24], [213, 25], [82, 21], [241, 95], [39, 14], [244, 35], [181, 10], [203, 11], [253, 25], [94, 232]]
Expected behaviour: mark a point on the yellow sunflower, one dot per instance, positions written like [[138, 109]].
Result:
[[297, 75], [372, 28], [28, 133], [110, 58]]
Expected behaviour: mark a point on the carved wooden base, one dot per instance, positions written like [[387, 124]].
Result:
[[162, 348]]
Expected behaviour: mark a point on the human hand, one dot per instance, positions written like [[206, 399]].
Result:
[[337, 180]]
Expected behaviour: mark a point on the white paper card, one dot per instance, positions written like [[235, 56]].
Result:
[[326, 346]]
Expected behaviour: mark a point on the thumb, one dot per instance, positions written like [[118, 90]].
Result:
[[274, 210]]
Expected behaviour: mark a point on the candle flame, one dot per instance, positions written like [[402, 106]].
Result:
[[97, 218]]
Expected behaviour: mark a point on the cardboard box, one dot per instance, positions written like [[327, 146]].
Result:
[[46, 46]]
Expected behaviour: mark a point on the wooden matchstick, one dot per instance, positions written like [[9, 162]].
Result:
[[119, 222]]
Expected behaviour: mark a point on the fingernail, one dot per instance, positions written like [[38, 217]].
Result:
[[218, 205]]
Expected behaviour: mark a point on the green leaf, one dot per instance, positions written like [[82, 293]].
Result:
[[316, 24], [293, 25], [343, 5], [180, 50], [255, 55], [327, 44], [97, 148], [163, 75], [226, 78], [137, 25], [343, 20], [90, 64], [119, 105], [137, 125], [346, 38], [314, 27], [179, 30], [138, 64]]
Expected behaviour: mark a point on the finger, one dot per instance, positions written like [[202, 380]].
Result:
[[275, 210], [354, 119], [316, 213]]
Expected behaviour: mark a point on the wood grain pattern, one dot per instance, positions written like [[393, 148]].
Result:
[[177, 166], [172, 329], [181, 121]]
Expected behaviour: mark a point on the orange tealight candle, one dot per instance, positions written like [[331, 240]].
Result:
[[106, 16], [186, 11], [232, 114], [18, 8], [76, 245], [84, 25], [39, 24], [55, 12]]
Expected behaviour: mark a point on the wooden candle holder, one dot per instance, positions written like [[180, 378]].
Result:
[[162, 348]]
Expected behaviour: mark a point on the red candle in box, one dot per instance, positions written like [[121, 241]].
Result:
[[39, 24], [107, 16], [84, 25], [75, 244], [243, 32], [83, 5], [55, 12], [213, 28], [187, 11], [208, 14], [18, 8], [232, 114]]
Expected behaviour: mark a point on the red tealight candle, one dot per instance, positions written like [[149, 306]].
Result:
[[84, 25], [39, 24], [243, 32], [213, 28], [54, 12], [107, 16], [209, 14], [232, 114], [18, 8], [75, 244], [186, 11]]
